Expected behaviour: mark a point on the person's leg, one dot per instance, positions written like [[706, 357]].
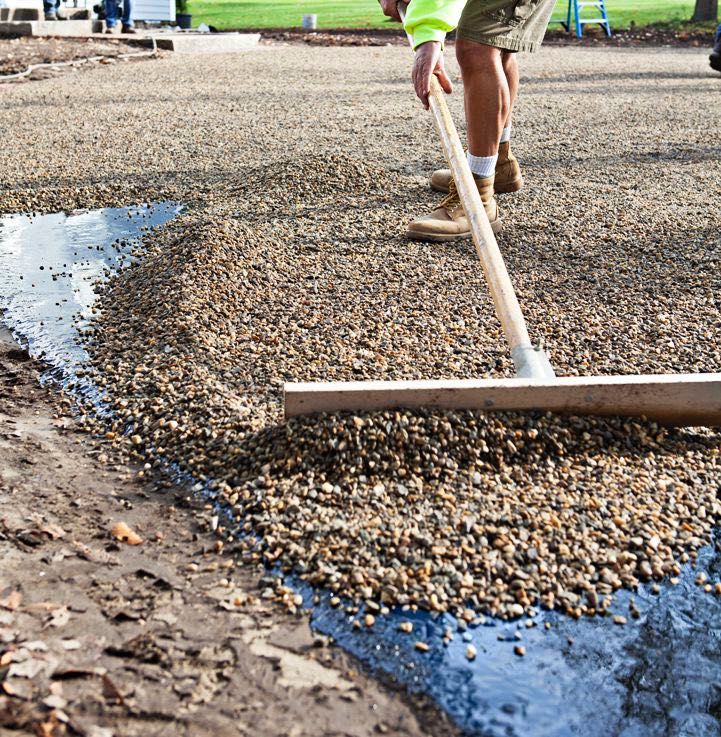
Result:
[[50, 9], [508, 174], [111, 13], [487, 102], [127, 14], [510, 69], [715, 58], [486, 95]]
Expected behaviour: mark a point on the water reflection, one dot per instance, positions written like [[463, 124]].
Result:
[[49, 264], [658, 675]]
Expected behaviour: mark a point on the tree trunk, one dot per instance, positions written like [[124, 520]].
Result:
[[705, 10]]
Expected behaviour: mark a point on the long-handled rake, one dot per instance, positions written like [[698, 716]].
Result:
[[672, 399]]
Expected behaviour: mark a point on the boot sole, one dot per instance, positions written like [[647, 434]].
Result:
[[439, 238], [507, 188]]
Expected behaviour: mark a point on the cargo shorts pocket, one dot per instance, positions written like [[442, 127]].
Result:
[[513, 12]]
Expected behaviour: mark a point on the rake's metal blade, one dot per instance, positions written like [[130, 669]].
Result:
[[670, 399]]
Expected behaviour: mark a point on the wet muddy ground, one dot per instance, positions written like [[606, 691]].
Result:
[[100, 638]]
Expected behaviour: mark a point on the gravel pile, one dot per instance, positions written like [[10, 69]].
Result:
[[291, 265], [447, 511], [492, 513]]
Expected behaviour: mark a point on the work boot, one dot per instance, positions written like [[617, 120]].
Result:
[[128, 29], [448, 222], [508, 173]]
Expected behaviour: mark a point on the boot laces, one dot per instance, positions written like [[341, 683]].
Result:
[[452, 199]]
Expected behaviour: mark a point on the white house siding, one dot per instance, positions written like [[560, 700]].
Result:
[[154, 10]]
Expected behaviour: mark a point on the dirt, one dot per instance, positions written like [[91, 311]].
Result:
[[593, 36], [101, 638], [17, 54]]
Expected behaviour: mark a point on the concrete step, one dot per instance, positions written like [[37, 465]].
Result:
[[206, 43], [25, 14], [51, 28]]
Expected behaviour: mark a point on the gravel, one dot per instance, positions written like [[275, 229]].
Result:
[[300, 169]]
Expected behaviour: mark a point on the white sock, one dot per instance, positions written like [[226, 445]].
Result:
[[482, 166], [506, 135]]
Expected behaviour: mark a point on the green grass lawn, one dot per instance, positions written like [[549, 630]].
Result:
[[367, 14]]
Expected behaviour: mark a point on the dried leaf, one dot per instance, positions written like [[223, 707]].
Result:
[[26, 669], [11, 601], [54, 531], [82, 550], [111, 691], [7, 657], [125, 534], [55, 702], [60, 617]]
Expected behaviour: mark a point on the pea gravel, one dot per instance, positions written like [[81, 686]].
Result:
[[300, 168]]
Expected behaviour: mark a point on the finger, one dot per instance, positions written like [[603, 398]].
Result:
[[422, 92], [446, 84], [392, 11], [423, 85]]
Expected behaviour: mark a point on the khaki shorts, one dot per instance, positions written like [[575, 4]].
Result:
[[514, 25]]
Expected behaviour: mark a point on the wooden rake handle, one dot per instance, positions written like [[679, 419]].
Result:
[[530, 362]]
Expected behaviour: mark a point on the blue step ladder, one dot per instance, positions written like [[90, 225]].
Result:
[[576, 6]]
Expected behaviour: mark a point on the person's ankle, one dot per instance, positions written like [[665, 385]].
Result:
[[482, 166]]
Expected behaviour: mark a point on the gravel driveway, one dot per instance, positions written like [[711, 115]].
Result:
[[300, 167]]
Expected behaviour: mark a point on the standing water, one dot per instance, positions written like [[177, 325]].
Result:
[[658, 675], [49, 265]]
